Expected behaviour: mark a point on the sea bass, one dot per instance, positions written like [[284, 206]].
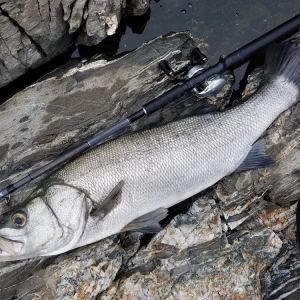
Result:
[[128, 183]]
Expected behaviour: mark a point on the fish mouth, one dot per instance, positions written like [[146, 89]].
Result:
[[11, 246]]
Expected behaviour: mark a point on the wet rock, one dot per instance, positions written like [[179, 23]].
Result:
[[101, 18], [235, 240], [137, 7], [34, 32]]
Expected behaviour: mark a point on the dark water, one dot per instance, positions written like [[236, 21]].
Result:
[[223, 25], [220, 26]]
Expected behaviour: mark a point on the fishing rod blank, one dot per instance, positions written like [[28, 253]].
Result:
[[230, 62]]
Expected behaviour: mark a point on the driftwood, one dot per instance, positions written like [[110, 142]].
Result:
[[236, 240], [35, 31]]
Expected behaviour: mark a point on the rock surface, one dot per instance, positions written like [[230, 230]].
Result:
[[33, 32], [234, 241], [191, 259]]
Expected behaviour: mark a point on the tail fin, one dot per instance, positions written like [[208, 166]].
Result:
[[284, 60]]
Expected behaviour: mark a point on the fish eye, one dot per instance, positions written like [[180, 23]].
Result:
[[19, 219]]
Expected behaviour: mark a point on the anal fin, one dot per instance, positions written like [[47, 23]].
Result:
[[256, 158], [147, 223]]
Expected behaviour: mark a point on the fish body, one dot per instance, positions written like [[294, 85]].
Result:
[[129, 182]]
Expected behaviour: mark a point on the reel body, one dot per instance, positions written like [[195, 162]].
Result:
[[210, 87]]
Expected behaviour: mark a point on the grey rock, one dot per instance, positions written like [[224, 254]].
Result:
[[17, 51], [236, 240], [137, 7], [283, 280], [76, 15], [41, 21], [81, 274], [33, 32], [101, 19], [179, 264]]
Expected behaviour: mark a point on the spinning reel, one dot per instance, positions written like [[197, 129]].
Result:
[[208, 88]]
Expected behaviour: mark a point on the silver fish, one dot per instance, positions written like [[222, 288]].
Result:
[[128, 183]]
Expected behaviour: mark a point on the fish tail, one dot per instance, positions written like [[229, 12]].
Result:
[[284, 60]]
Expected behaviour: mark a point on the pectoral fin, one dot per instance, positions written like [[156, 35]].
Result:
[[256, 158], [147, 223], [111, 201]]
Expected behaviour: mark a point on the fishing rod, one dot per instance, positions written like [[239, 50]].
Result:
[[195, 76]]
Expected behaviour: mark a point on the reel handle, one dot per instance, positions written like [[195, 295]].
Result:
[[165, 67], [201, 58]]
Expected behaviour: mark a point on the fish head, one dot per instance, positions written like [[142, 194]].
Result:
[[51, 221]]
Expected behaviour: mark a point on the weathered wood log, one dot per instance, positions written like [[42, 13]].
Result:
[[71, 105], [237, 239]]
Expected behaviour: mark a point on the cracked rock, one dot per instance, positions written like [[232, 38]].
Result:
[[173, 267], [33, 32], [101, 19], [17, 52], [81, 274]]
